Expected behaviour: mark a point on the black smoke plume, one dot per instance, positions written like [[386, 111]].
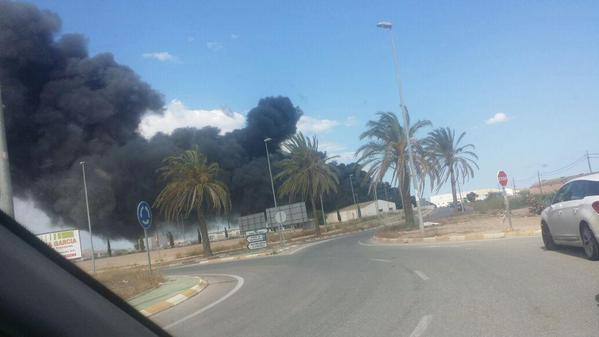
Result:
[[63, 106]]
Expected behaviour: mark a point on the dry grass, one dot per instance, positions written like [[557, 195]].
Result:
[[465, 224], [128, 283]]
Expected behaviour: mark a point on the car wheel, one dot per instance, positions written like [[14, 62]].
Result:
[[589, 243], [547, 238]]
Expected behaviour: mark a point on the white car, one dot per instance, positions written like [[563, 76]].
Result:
[[573, 217]]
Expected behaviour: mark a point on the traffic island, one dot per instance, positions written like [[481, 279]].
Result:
[[463, 228], [174, 291], [456, 237]]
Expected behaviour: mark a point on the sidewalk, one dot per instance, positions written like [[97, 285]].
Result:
[[174, 291]]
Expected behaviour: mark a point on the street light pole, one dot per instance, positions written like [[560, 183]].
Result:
[[272, 185], [404, 110], [6, 202], [89, 222], [351, 183]]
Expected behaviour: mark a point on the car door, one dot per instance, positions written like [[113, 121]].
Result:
[[555, 218], [569, 211]]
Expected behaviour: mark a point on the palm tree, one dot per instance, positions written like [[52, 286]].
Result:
[[191, 186], [305, 172], [386, 151], [453, 160]]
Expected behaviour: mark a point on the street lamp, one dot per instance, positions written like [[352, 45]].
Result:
[[272, 185], [404, 110], [89, 222], [6, 202], [351, 183]]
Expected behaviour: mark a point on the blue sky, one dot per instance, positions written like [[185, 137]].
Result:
[[462, 63]]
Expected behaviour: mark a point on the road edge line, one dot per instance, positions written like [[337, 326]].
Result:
[[240, 282]]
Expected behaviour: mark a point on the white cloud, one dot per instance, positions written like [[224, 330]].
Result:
[[214, 46], [499, 117], [350, 121], [307, 124], [234, 36], [177, 115], [341, 152], [161, 56]]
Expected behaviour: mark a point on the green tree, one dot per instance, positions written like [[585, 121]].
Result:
[[453, 160], [191, 186], [386, 151], [305, 172]]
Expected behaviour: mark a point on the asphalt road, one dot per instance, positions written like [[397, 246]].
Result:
[[505, 287]]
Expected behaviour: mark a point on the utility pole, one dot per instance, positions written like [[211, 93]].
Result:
[[376, 199], [6, 202], [404, 110], [89, 221], [540, 183], [589, 162], [514, 185], [272, 185], [324, 218], [351, 183]]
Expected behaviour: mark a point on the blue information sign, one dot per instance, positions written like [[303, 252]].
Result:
[[144, 214]]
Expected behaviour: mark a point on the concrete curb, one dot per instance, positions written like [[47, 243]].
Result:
[[457, 238], [291, 244], [174, 300]]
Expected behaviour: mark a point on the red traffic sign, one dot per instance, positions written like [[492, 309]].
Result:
[[502, 178]]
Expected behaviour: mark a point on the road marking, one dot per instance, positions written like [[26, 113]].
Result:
[[369, 244], [421, 275], [240, 282], [309, 245], [381, 260], [422, 325]]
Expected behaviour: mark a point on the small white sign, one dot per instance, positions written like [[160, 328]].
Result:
[[257, 245], [256, 238]]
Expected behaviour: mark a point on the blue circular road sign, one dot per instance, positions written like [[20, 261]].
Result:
[[144, 214]]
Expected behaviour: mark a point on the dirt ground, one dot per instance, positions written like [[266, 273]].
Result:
[[471, 223], [128, 283]]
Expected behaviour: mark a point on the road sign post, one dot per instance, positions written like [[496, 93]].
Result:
[[256, 239], [280, 218], [144, 216], [503, 180]]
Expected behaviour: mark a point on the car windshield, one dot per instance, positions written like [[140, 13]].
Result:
[[320, 168]]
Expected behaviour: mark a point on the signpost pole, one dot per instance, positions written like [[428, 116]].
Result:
[[144, 216], [507, 208], [89, 221], [148, 250], [502, 179]]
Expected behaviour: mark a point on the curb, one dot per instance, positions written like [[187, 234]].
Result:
[[174, 300], [292, 244], [457, 238]]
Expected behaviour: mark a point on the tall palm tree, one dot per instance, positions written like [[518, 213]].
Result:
[[386, 151], [305, 172], [453, 160], [191, 186]]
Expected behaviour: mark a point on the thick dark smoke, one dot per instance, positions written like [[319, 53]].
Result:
[[63, 106]]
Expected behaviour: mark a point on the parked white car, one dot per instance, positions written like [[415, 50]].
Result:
[[573, 217]]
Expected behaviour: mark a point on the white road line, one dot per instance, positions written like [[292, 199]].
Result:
[[309, 245], [240, 282], [422, 325], [369, 244], [421, 275], [381, 260]]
